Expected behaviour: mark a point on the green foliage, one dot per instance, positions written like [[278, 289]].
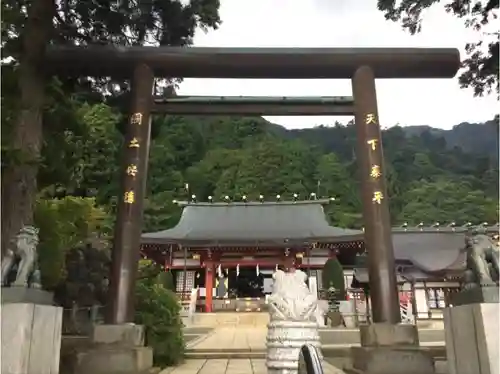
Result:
[[87, 270], [447, 201], [166, 280], [428, 180], [333, 276], [65, 224], [322, 160], [481, 65], [148, 272], [40, 113], [83, 159], [158, 309]]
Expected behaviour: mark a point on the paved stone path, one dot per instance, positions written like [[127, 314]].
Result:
[[240, 339], [232, 366], [232, 338]]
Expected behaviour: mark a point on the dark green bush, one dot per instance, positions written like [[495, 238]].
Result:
[[159, 311], [333, 275], [166, 279]]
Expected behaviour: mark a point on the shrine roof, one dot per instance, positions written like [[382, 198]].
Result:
[[284, 223], [434, 249], [426, 253], [430, 251]]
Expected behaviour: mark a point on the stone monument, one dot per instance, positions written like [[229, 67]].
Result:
[[293, 312], [472, 323], [31, 325]]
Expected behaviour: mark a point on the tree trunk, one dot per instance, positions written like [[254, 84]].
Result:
[[19, 185]]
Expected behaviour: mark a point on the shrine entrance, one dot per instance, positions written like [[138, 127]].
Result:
[[248, 282], [361, 65]]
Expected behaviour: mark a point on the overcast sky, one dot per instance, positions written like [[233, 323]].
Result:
[[335, 23]]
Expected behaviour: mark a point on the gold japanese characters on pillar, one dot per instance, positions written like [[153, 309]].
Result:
[[375, 172], [132, 170], [129, 197], [370, 118], [377, 197], [134, 143], [372, 143], [136, 119]]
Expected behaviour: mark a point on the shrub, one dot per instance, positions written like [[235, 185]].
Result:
[[333, 275], [64, 224], [166, 279], [159, 311]]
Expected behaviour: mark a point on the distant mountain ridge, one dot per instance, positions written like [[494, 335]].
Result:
[[476, 138]]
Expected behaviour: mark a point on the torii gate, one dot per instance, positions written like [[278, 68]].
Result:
[[362, 65]]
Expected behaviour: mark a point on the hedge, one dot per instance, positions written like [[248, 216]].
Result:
[[333, 275], [158, 310]]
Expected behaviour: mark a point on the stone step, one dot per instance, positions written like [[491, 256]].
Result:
[[230, 319], [351, 336], [262, 319], [330, 351], [225, 355]]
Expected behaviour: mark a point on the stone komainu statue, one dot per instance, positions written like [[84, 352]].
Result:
[[482, 261], [291, 299], [293, 322], [24, 250]]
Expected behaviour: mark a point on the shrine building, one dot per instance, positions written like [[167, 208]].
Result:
[[236, 247]]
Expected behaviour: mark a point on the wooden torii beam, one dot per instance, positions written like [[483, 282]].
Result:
[[255, 63], [256, 105]]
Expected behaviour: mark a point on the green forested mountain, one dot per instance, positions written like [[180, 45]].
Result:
[[477, 138], [428, 180]]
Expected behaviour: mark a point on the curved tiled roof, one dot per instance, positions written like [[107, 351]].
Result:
[[253, 223], [429, 251]]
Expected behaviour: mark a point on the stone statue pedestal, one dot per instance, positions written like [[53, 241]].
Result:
[[115, 349], [476, 295], [293, 322], [471, 333], [26, 295], [390, 349], [31, 338]]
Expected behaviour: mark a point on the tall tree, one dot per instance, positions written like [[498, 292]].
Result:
[[27, 28], [19, 179], [481, 65]]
